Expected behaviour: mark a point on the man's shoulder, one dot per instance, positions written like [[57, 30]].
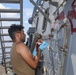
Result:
[[20, 44], [20, 47]]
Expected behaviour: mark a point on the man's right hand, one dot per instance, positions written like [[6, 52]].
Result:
[[38, 43]]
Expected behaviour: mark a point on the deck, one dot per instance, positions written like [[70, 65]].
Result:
[[2, 71]]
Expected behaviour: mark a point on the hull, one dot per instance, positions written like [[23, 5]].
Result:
[[60, 33]]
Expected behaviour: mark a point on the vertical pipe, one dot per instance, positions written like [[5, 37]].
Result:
[[21, 12], [69, 52]]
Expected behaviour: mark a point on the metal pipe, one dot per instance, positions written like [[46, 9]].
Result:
[[40, 10], [36, 37], [21, 12]]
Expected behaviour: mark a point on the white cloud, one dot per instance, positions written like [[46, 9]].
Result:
[[10, 15], [26, 15], [27, 12], [26, 21], [2, 6], [7, 14]]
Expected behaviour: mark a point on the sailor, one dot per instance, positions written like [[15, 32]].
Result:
[[22, 61]]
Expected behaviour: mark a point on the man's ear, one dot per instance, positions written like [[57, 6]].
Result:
[[17, 34]]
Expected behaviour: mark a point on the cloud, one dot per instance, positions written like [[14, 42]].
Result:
[[26, 15], [27, 12], [12, 15], [7, 14], [26, 21], [2, 6]]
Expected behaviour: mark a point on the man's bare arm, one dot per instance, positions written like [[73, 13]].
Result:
[[27, 56]]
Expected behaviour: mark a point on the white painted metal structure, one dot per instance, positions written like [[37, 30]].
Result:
[[56, 24]]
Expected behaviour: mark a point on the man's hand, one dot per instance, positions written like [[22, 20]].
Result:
[[38, 43]]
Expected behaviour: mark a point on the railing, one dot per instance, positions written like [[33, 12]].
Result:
[[5, 57]]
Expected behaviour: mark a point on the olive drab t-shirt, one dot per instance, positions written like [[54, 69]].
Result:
[[19, 65]]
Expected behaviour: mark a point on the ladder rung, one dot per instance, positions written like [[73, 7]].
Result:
[[4, 34], [10, 10], [9, 19], [4, 27], [8, 47], [7, 53], [7, 57], [9, 1], [7, 41]]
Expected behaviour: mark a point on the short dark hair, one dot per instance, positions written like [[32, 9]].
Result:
[[13, 29]]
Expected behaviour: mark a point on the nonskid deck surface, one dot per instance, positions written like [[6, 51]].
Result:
[[2, 71]]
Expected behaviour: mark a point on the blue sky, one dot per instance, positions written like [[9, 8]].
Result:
[[27, 12]]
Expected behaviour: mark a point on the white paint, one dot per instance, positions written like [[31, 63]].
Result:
[[73, 58]]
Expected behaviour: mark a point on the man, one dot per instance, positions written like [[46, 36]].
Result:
[[22, 60]]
